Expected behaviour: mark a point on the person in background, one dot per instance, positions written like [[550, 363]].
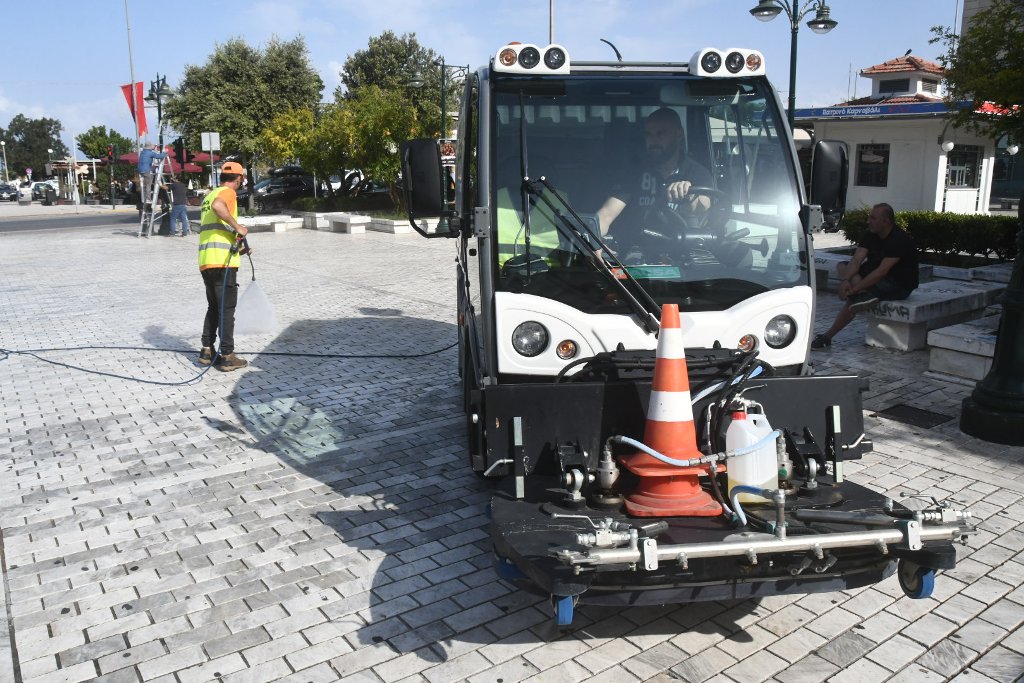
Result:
[[147, 158], [219, 258], [883, 268], [179, 208]]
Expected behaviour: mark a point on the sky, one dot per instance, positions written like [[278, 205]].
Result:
[[66, 59]]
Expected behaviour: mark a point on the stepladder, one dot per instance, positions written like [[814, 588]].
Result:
[[155, 205]]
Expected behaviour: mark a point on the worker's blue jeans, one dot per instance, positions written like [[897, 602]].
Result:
[[179, 214]]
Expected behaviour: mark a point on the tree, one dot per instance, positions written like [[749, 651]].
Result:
[[390, 62], [986, 65], [27, 141], [371, 125], [308, 138], [240, 90], [93, 143]]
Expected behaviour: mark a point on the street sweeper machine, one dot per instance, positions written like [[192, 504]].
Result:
[[635, 298]]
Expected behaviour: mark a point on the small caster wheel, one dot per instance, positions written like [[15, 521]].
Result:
[[916, 581], [563, 606], [506, 569]]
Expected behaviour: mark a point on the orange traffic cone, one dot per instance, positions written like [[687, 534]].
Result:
[[666, 490]]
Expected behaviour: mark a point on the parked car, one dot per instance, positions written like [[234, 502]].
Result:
[[272, 194], [39, 190], [8, 193], [348, 181]]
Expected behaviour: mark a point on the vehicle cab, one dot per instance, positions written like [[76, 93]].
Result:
[[544, 142]]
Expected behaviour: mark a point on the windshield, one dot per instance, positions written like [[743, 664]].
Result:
[[688, 180]]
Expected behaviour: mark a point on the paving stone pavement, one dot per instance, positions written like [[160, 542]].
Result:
[[312, 519]]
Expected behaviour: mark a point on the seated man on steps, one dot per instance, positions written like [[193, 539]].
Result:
[[883, 268]]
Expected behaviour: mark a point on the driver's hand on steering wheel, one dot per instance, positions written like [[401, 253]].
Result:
[[680, 189]]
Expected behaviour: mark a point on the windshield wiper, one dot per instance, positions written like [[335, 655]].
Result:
[[578, 232]]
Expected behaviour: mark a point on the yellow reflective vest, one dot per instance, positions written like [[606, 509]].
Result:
[[512, 232], [216, 236]]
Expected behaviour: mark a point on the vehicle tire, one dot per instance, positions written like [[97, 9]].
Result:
[[916, 581]]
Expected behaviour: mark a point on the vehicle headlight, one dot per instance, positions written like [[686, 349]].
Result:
[[780, 331], [530, 339]]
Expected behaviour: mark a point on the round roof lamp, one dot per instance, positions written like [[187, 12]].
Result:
[[947, 146]]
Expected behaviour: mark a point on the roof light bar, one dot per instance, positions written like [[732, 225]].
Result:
[[524, 58], [727, 63]]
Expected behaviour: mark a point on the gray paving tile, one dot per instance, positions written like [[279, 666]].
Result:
[[287, 523]]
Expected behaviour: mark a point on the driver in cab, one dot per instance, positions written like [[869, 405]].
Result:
[[664, 183]]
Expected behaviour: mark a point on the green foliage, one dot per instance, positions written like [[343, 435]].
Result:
[[371, 125], [288, 136], [986, 64], [390, 62], [27, 141], [946, 233], [241, 89], [93, 143]]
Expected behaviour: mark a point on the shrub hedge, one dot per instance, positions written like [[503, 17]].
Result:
[[947, 233]]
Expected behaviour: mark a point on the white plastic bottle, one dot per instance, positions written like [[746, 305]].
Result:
[[758, 468]]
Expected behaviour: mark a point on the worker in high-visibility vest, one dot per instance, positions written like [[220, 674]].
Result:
[[219, 232]]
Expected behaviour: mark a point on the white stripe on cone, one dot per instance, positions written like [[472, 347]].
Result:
[[670, 406], [670, 344]]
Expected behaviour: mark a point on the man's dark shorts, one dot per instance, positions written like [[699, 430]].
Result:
[[885, 289]]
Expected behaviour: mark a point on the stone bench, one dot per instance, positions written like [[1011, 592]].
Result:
[[389, 225], [283, 224], [903, 325], [964, 351], [262, 223], [315, 221], [348, 223]]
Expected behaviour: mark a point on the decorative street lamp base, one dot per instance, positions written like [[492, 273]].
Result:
[[988, 424]]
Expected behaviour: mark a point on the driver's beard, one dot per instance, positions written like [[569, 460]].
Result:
[[659, 155]]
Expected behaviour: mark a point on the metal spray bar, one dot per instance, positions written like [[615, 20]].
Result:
[[911, 533]]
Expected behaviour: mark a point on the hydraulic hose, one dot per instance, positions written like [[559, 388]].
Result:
[[702, 460]]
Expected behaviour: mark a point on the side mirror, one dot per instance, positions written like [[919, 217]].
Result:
[[830, 172], [421, 182]]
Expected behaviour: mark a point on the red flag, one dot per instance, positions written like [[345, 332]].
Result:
[[136, 105]]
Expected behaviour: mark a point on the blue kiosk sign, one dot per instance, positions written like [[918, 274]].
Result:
[[876, 110]]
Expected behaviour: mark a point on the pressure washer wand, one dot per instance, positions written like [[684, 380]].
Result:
[[241, 245]]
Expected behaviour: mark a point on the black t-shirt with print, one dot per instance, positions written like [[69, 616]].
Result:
[[644, 191], [898, 245]]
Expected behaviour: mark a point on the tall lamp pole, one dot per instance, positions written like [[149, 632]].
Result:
[[157, 91], [3, 143], [448, 72], [767, 10]]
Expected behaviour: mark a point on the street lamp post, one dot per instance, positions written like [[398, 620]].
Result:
[[448, 71], [158, 90], [767, 10], [3, 143]]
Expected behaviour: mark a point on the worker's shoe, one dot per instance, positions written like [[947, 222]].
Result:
[[231, 362], [205, 355], [862, 301], [821, 343]]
